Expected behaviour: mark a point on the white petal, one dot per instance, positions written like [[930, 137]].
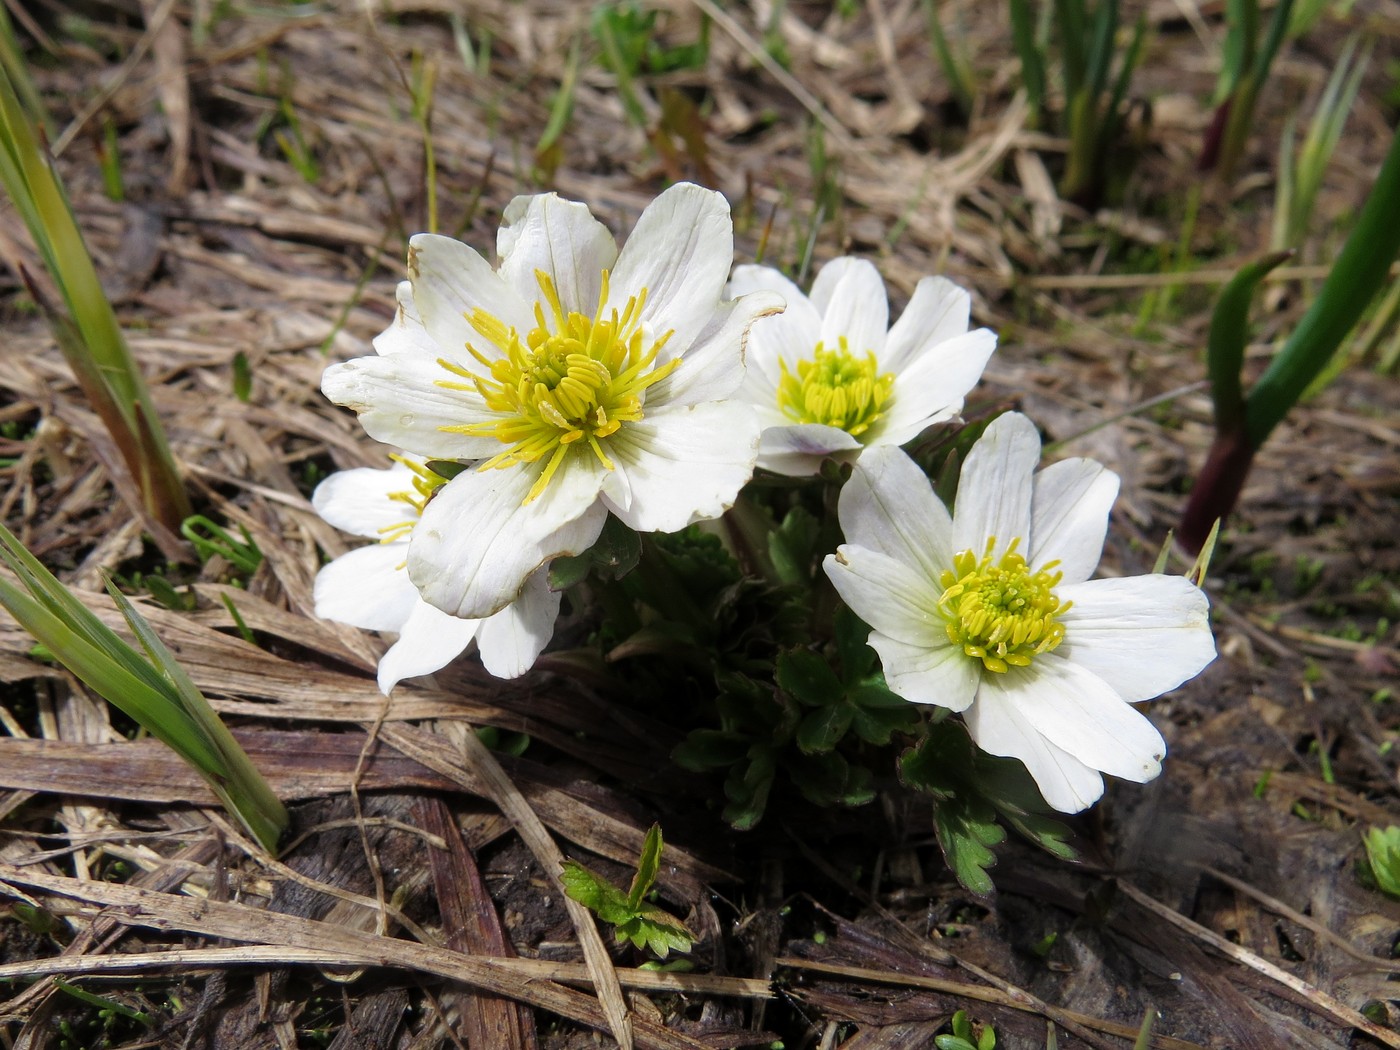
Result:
[[1070, 502], [366, 588], [851, 297], [477, 540], [450, 280], [932, 386], [888, 506], [712, 368], [561, 238], [791, 335], [429, 641], [888, 596], [797, 450], [683, 465], [399, 402], [937, 311], [406, 333], [511, 640], [995, 723], [680, 252], [941, 675], [994, 493], [358, 501], [1143, 635], [1079, 713]]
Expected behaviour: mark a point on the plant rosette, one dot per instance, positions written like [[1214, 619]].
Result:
[[578, 379], [829, 377], [369, 587], [990, 611]]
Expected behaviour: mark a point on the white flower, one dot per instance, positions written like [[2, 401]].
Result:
[[991, 611], [826, 377], [369, 588], [585, 380]]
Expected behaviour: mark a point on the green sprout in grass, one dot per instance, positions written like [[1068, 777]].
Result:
[[1243, 73], [152, 688], [637, 919], [1094, 93], [1243, 422], [85, 325]]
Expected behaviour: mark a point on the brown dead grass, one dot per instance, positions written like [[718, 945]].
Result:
[[421, 875]]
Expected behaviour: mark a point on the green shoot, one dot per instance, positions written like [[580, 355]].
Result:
[[1243, 74], [1243, 423], [85, 326], [637, 920], [548, 150], [1299, 183], [211, 539], [962, 1037], [152, 688], [1381, 867], [293, 143], [954, 65]]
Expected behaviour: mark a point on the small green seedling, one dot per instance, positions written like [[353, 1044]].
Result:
[[1382, 864], [637, 919], [962, 1037]]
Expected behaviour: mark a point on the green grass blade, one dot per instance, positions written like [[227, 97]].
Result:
[[1032, 61], [1229, 335], [1069, 18], [1360, 271], [155, 691]]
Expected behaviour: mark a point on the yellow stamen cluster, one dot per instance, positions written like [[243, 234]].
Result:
[[1000, 612], [426, 482], [835, 388], [572, 382]]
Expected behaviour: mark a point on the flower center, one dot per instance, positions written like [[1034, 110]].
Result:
[[835, 388], [572, 382], [426, 482], [1000, 612]]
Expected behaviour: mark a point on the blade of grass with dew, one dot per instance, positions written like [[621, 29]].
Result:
[[154, 690], [88, 332]]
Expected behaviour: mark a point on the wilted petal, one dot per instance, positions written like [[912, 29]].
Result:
[[797, 450]]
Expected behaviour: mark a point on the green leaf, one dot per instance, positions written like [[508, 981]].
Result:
[[808, 679], [647, 866], [595, 893], [706, 749], [1383, 857], [822, 728], [966, 828], [1229, 335], [656, 931], [856, 657], [571, 569], [792, 546], [616, 551], [876, 725]]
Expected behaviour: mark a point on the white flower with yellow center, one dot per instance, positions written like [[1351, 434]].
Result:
[[828, 379], [369, 588], [991, 612], [581, 380]]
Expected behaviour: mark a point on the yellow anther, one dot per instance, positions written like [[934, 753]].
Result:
[[836, 389]]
